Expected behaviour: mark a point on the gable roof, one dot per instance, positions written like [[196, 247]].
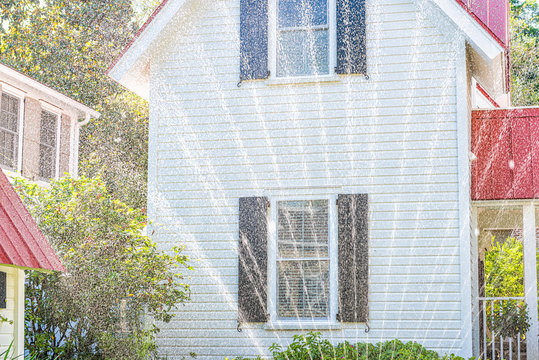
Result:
[[131, 66], [22, 244]]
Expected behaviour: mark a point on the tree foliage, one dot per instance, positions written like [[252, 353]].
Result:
[[114, 276], [68, 45], [504, 269], [525, 52]]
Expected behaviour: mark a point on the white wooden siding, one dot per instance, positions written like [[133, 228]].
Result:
[[393, 136]]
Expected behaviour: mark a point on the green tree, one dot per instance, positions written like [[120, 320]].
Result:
[[115, 276], [524, 52], [68, 45], [504, 269]]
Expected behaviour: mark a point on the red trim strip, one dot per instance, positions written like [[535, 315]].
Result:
[[137, 35], [507, 113], [485, 94]]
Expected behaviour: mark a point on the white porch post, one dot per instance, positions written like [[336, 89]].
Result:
[[530, 278], [475, 282]]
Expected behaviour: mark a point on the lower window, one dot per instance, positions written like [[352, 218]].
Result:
[[303, 259]]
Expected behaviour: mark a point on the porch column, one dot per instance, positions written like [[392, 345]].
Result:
[[476, 337], [530, 278]]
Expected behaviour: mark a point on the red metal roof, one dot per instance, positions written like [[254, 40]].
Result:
[[506, 145], [493, 15], [22, 244]]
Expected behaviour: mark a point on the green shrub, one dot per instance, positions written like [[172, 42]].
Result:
[[310, 346]]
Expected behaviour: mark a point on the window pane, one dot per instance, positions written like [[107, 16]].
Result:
[[318, 52], [9, 116], [47, 149], [9, 131], [303, 289], [8, 149], [48, 128], [303, 53], [302, 229], [294, 13], [46, 162]]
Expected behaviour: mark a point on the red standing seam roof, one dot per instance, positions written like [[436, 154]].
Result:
[[506, 145], [22, 244]]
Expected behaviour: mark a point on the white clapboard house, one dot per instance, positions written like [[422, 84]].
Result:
[[314, 156]]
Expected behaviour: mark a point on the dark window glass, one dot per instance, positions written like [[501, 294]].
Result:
[[47, 147], [9, 131], [302, 38], [299, 13], [303, 259]]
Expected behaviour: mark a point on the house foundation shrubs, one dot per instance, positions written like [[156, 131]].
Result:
[[116, 279], [311, 346]]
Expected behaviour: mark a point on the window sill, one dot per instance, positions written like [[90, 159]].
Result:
[[303, 80], [302, 325]]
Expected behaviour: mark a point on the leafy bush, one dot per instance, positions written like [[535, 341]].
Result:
[[509, 319], [310, 346], [115, 276]]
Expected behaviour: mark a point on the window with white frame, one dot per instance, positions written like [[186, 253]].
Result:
[[48, 145], [9, 131], [303, 260], [303, 37]]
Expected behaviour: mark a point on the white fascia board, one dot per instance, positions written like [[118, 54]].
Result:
[[131, 69], [475, 34], [30, 83]]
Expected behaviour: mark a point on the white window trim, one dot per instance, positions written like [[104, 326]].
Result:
[[21, 95], [272, 48], [293, 324], [58, 112]]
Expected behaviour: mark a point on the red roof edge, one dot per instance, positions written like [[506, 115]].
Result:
[[461, 3], [23, 244], [137, 35], [485, 94]]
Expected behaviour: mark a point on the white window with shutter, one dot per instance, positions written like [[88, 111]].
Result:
[[302, 257]]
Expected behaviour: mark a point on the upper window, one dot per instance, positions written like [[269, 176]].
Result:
[[48, 145], [9, 131], [303, 260], [303, 37]]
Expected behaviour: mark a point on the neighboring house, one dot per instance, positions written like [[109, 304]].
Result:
[[39, 128], [39, 137], [22, 247], [315, 157]]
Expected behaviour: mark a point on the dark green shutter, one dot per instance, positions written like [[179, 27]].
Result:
[[353, 258], [351, 37], [253, 259], [3, 288], [253, 39]]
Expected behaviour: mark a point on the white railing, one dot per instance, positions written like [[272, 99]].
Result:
[[495, 346]]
